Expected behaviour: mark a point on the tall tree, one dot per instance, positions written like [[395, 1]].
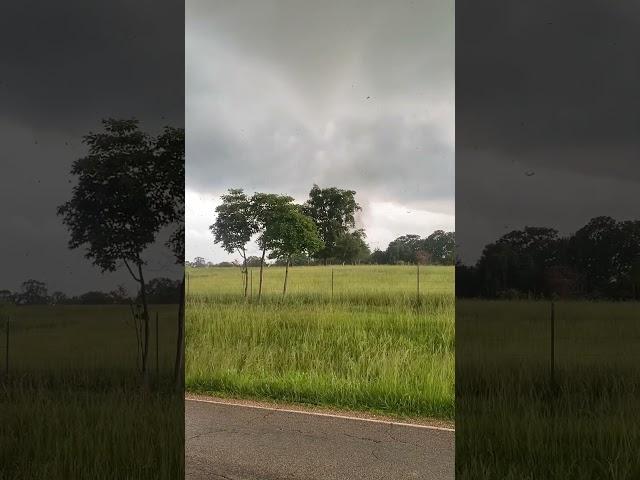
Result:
[[118, 205], [235, 225], [265, 208], [333, 210], [292, 233]]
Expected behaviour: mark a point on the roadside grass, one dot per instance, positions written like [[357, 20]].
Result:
[[73, 405], [372, 347], [514, 422]]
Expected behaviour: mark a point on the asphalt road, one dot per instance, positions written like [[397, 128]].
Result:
[[241, 443]]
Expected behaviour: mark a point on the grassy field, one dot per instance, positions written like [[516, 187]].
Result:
[[371, 345], [73, 406], [514, 422]]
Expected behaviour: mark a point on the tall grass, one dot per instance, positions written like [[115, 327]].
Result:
[[74, 406], [514, 421], [372, 346]]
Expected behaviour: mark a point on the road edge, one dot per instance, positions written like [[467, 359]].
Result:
[[429, 424]]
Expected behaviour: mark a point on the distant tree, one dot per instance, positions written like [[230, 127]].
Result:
[[596, 250], [95, 298], [253, 261], [350, 247], [120, 203], [199, 262], [120, 295], [266, 208], [164, 291], [235, 225], [58, 298], [33, 292], [292, 233], [378, 257], [441, 247], [404, 249], [333, 210]]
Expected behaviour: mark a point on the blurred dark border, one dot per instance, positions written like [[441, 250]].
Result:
[[548, 233], [92, 120]]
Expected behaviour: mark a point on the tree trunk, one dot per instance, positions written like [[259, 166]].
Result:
[[246, 275], [264, 252], [178, 369], [286, 276], [145, 310]]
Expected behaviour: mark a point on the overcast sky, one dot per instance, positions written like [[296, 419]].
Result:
[[63, 67], [284, 94], [547, 116]]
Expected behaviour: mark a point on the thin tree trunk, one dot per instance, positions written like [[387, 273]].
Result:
[[264, 252], [246, 275], [286, 276], [178, 369], [145, 310]]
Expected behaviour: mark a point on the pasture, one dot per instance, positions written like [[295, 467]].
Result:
[[514, 422], [370, 343], [72, 405]]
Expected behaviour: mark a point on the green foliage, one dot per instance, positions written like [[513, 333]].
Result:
[[235, 223], [293, 233], [351, 247], [333, 211], [120, 201]]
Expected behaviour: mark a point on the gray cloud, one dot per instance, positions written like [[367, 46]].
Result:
[[64, 67], [547, 88], [281, 95]]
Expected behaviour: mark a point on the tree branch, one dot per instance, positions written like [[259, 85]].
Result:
[[130, 271]]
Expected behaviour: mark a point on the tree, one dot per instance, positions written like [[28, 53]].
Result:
[[351, 248], [235, 225], [199, 262], [441, 246], [378, 257], [333, 211], [119, 203], [404, 249], [265, 208], [292, 233], [33, 292]]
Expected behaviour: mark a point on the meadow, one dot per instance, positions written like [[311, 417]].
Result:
[[515, 421], [72, 405], [369, 343]]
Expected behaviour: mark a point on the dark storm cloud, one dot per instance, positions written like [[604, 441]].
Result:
[[63, 67], [284, 94], [546, 117]]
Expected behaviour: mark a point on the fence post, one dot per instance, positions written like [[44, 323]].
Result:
[[251, 283], [332, 284], [6, 350], [157, 349], [553, 343], [418, 282]]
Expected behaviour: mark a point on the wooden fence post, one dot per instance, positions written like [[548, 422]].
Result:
[[6, 350], [157, 349], [332, 284], [553, 343]]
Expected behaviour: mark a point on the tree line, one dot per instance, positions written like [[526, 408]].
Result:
[[320, 231], [600, 260], [33, 292]]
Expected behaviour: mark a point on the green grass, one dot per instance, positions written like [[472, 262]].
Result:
[[73, 405], [513, 422], [370, 346]]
